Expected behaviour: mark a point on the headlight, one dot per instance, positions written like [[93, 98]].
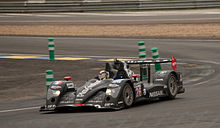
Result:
[[56, 93], [113, 92], [52, 93], [108, 92]]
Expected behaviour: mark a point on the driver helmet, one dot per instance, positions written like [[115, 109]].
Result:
[[103, 75]]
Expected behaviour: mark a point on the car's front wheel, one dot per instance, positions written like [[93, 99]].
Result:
[[128, 95]]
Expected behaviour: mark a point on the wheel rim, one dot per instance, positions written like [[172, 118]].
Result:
[[128, 95], [173, 86]]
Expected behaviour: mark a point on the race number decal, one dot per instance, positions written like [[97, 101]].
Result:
[[138, 91]]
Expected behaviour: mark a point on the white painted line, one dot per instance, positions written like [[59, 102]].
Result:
[[46, 15], [149, 13], [88, 21], [131, 14], [19, 109], [18, 14], [211, 13], [200, 83], [204, 61], [118, 38], [5, 16]]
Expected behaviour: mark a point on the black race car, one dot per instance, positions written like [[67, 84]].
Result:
[[121, 90]]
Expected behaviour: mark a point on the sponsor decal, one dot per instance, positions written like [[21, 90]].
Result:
[[51, 106], [87, 88], [70, 85], [94, 101], [66, 102], [90, 86], [80, 95], [120, 102], [79, 99], [156, 93], [159, 79], [109, 104]]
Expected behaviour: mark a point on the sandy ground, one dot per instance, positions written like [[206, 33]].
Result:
[[157, 30]]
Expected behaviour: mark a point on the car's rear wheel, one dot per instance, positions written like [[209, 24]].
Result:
[[128, 96], [172, 86]]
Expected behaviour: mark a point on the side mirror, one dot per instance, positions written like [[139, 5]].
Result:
[[135, 76], [67, 78]]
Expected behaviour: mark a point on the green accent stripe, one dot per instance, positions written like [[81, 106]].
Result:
[[49, 72], [49, 79], [154, 49], [141, 43], [50, 39], [142, 55], [51, 45], [142, 50], [155, 57]]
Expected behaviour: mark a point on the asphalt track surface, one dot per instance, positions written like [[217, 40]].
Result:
[[197, 108]]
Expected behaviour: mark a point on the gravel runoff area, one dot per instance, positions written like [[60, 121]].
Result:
[[156, 30]]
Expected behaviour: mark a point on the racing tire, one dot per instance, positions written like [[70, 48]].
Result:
[[172, 86], [128, 96]]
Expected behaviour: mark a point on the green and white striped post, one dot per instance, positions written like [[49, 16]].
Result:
[[51, 48], [155, 55], [142, 50], [49, 78], [142, 56]]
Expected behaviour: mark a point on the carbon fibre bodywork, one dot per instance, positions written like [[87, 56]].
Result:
[[91, 94], [109, 93]]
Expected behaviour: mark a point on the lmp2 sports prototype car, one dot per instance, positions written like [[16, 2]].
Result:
[[120, 90]]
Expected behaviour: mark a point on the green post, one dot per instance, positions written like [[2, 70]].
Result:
[[142, 56], [155, 55], [49, 78], [51, 48]]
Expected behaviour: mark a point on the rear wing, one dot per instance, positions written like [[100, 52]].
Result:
[[149, 61], [154, 61]]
